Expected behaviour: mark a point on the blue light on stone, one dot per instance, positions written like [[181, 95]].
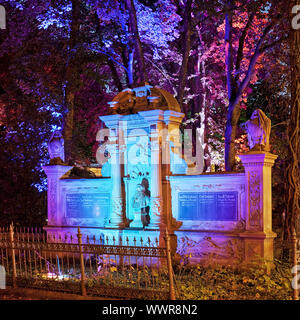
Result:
[[87, 205], [208, 206]]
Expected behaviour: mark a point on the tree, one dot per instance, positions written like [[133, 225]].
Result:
[[135, 38], [263, 19], [186, 51], [292, 171]]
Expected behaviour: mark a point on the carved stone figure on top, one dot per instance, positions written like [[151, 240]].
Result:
[[258, 130], [142, 97], [56, 148]]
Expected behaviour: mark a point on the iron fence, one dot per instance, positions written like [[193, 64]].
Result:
[[85, 265]]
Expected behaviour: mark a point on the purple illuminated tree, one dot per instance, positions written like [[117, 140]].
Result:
[[260, 33]]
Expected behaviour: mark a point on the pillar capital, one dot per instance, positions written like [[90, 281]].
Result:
[[152, 116], [111, 121], [56, 171], [257, 159]]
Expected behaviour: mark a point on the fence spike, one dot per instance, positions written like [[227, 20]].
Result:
[[37, 237]]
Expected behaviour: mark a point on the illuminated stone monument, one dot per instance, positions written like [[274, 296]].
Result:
[[147, 185], [258, 237]]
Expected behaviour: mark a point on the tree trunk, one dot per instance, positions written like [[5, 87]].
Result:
[[232, 113], [292, 171], [137, 44], [233, 116], [115, 75], [186, 53], [71, 83]]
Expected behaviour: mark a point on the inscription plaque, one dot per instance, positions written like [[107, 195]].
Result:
[[87, 205], [208, 206]]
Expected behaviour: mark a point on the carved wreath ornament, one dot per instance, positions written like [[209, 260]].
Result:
[[254, 201]]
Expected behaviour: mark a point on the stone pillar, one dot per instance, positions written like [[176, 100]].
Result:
[[116, 219], [258, 235], [155, 119], [173, 143], [116, 213], [173, 163], [55, 210]]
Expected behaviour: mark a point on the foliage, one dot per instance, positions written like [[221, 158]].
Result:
[[229, 283], [61, 61]]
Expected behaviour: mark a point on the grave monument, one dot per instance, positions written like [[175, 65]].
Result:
[[148, 185]]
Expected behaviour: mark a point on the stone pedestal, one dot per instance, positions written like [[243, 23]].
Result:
[[54, 173], [258, 236], [137, 220]]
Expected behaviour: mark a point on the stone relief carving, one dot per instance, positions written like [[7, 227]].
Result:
[[241, 225], [156, 206], [208, 248], [254, 200], [254, 250], [116, 214], [117, 204], [258, 130], [52, 199]]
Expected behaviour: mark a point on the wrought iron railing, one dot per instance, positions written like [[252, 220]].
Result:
[[86, 265]]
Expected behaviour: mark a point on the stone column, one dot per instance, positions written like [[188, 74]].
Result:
[[258, 235], [116, 213], [155, 119], [173, 163], [116, 219], [173, 120], [55, 210]]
